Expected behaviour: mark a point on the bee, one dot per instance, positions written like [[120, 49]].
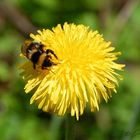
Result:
[[37, 53]]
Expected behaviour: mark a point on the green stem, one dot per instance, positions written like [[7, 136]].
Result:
[[70, 130], [55, 127]]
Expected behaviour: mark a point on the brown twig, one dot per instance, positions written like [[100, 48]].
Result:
[[123, 17], [104, 14], [2, 20], [18, 19]]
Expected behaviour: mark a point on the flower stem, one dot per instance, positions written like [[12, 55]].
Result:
[[70, 130], [55, 127]]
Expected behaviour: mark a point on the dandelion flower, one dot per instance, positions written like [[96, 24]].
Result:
[[86, 72]]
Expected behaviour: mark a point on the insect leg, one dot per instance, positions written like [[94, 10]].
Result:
[[52, 52]]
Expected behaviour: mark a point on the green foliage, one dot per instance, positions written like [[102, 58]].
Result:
[[21, 121], [3, 71], [129, 39]]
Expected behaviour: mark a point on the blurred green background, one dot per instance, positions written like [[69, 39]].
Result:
[[118, 21]]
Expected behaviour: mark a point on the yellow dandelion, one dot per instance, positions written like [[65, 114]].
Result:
[[85, 73]]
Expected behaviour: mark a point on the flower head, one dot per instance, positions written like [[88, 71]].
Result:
[[85, 73]]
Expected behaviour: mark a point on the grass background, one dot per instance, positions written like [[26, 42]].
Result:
[[118, 21]]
